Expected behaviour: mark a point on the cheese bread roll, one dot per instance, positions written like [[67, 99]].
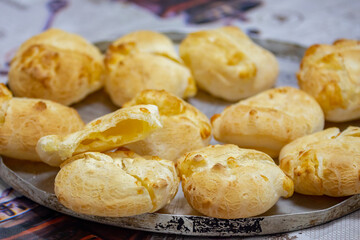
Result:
[[145, 60], [324, 163], [23, 121], [269, 120], [331, 74], [226, 63], [185, 128], [102, 134], [225, 181], [58, 66], [116, 184]]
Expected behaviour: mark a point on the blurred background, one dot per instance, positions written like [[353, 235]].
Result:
[[304, 22]]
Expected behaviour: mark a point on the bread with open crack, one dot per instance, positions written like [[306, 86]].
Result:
[[184, 129], [23, 121], [324, 163], [269, 120], [331, 74], [116, 184], [225, 181], [226, 63], [102, 134], [58, 66], [145, 60]]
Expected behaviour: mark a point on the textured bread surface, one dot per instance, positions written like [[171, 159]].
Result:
[[58, 66], [116, 184], [145, 60], [226, 181], [324, 163], [184, 129], [227, 64], [23, 121], [102, 134], [331, 74], [269, 120]]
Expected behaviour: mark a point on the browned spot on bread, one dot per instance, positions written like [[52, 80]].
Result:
[[157, 158], [40, 106], [252, 112], [212, 119], [126, 151], [218, 167], [197, 158], [264, 177], [144, 110], [205, 132], [206, 204], [160, 184]]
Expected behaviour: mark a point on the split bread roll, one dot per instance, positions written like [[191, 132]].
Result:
[[23, 121], [145, 60], [116, 184], [56, 65], [269, 120], [102, 134], [184, 129], [331, 74], [225, 181], [227, 64], [324, 163]]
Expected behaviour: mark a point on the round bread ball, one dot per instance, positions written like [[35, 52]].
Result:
[[58, 66], [145, 60], [116, 184], [23, 121], [227, 64], [225, 181], [184, 129], [324, 163], [331, 74], [269, 120]]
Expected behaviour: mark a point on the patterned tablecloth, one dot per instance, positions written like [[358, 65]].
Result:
[[302, 22]]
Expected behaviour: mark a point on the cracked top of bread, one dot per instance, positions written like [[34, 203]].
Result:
[[116, 184], [324, 163]]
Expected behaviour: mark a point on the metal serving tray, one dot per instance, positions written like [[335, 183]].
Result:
[[36, 180]]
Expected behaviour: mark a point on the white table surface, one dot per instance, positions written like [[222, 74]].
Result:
[[300, 21]]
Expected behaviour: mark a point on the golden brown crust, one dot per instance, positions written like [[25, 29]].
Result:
[[269, 120], [102, 134], [24, 121], [145, 60], [116, 184], [227, 64], [184, 129], [56, 65], [324, 163], [225, 181], [331, 74]]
